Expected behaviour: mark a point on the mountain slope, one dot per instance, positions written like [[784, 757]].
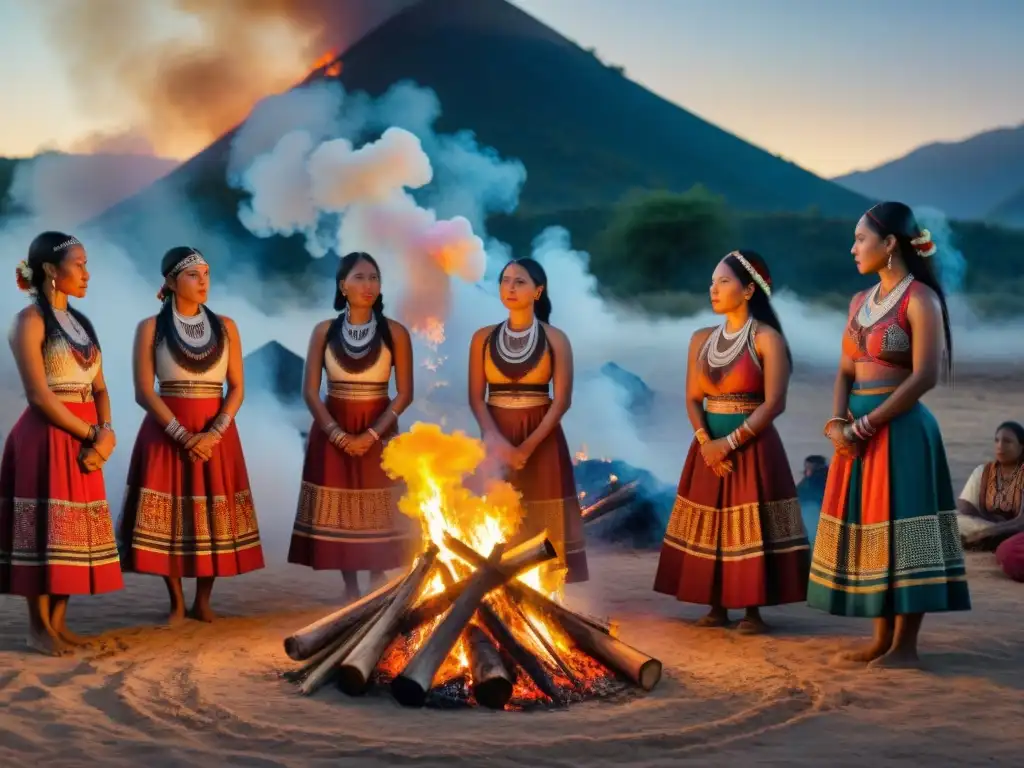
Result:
[[965, 179], [1010, 212], [586, 134]]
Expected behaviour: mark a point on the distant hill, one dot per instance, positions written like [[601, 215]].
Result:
[[74, 188], [1010, 212], [587, 134], [965, 179]]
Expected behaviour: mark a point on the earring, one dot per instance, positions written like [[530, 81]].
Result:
[[888, 264], [53, 285]]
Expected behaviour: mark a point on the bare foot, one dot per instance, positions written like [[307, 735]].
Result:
[[752, 625], [897, 658], [176, 615], [202, 612], [47, 644], [716, 617], [864, 654], [70, 637]]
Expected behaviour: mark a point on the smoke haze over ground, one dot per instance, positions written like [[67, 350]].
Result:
[[353, 173]]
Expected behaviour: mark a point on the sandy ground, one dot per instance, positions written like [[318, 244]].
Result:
[[210, 695]]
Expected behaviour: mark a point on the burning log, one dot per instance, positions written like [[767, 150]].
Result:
[[329, 666], [492, 683], [517, 560], [539, 636], [324, 632], [530, 664], [620, 497], [588, 635], [411, 686], [522, 592], [361, 660]]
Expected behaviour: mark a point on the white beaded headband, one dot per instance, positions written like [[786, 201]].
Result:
[[761, 282], [72, 241], [193, 259]]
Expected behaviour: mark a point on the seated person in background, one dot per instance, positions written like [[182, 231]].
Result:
[[991, 504], [811, 489]]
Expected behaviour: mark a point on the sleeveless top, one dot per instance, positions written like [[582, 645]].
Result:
[[531, 389], [879, 332], [370, 384], [71, 362], [177, 381], [731, 372]]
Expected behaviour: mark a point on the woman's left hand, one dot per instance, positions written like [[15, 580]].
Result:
[[519, 456], [90, 460], [715, 451], [358, 446], [202, 450]]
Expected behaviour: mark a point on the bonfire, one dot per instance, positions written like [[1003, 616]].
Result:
[[475, 620]]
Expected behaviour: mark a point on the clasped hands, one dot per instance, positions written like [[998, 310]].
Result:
[[502, 451], [353, 445], [92, 456], [715, 452]]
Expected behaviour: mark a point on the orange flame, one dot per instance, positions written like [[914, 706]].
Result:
[[329, 63]]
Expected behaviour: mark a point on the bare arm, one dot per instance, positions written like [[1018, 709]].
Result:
[[771, 348], [561, 401], [694, 392], [1001, 530], [478, 382], [925, 315], [27, 345], [236, 373], [402, 354], [314, 375], [143, 368], [101, 397]]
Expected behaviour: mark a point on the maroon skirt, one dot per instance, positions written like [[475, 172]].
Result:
[[548, 487], [183, 518], [736, 541], [347, 517], [56, 533]]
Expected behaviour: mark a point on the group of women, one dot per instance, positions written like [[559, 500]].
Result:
[[887, 545]]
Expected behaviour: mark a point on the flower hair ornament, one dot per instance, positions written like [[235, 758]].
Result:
[[23, 274], [923, 244], [763, 284]]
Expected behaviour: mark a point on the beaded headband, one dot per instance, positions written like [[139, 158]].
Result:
[[71, 241], [761, 282], [193, 259]]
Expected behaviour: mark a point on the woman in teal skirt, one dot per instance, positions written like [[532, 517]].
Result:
[[888, 547]]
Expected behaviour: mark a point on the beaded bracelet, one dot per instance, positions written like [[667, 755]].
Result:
[[177, 433]]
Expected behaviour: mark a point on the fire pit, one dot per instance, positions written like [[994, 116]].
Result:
[[473, 621]]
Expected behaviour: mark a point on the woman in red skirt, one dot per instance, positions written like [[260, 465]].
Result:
[[347, 518], [736, 538], [511, 369], [188, 511], [56, 535]]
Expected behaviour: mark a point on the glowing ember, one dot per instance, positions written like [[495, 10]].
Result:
[[329, 63]]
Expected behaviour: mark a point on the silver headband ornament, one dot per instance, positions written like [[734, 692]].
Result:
[[69, 243], [761, 282], [192, 260]]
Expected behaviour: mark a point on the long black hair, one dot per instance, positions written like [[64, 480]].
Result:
[[345, 266], [542, 307], [896, 219], [760, 305], [165, 329], [52, 248], [1018, 431]]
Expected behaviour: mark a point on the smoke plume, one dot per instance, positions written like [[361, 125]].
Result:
[[180, 73]]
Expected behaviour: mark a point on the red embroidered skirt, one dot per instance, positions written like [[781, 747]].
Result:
[[56, 533], [548, 487], [736, 541], [185, 519], [347, 517]]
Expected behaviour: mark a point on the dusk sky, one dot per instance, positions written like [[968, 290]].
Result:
[[834, 86]]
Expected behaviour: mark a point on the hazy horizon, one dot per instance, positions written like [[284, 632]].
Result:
[[781, 67]]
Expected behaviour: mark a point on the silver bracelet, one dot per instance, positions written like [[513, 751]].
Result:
[[177, 433], [220, 424]]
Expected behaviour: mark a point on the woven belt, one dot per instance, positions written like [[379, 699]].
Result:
[[198, 390], [73, 393], [357, 390], [726, 404], [518, 395]]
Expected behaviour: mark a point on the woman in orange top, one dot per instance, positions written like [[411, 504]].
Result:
[[888, 546], [736, 538]]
